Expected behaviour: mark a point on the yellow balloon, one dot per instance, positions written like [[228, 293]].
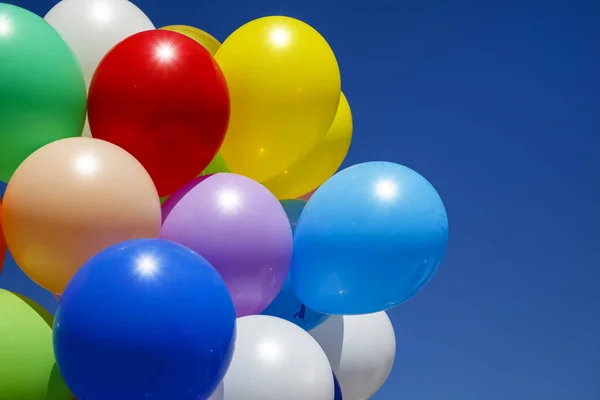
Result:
[[204, 38], [284, 84], [320, 164]]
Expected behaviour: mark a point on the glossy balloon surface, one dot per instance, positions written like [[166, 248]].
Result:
[[93, 27], [361, 350], [27, 367], [240, 228], [286, 305], [148, 319], [285, 84], [275, 359], [321, 163], [162, 97], [369, 238], [204, 38], [71, 199], [42, 90]]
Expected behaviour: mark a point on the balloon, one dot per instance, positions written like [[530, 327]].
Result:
[[2, 242], [321, 163], [371, 237], [145, 319], [42, 91], [361, 350], [275, 359], [71, 199], [204, 38], [338, 390], [162, 97], [92, 28], [240, 228], [286, 305], [27, 367], [284, 84]]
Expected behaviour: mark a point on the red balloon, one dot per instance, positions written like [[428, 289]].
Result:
[[162, 97]]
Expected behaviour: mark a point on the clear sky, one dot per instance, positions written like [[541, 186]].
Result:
[[497, 103]]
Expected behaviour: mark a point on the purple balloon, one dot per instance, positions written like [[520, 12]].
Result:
[[240, 228]]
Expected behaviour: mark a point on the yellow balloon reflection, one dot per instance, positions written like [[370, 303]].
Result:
[[284, 85], [320, 164], [204, 38]]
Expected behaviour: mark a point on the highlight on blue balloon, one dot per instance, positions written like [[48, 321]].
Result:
[[286, 305], [368, 239], [145, 319]]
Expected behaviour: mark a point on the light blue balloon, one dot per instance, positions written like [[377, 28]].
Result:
[[369, 238], [286, 305]]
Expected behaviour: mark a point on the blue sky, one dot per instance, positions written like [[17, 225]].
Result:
[[497, 103]]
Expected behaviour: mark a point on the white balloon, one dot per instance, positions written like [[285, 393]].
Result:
[[276, 360], [93, 27], [361, 350]]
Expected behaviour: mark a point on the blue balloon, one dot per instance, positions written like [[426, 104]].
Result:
[[286, 305], [338, 389], [369, 238], [144, 319]]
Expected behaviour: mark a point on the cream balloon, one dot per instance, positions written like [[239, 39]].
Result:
[[361, 350], [274, 360], [70, 200], [93, 27]]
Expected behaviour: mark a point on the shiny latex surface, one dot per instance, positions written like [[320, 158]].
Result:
[[286, 305], [321, 163], [162, 97], [240, 228], [145, 319], [361, 350], [42, 90], [204, 38], [369, 238], [93, 27], [284, 84], [275, 360], [27, 367], [71, 199]]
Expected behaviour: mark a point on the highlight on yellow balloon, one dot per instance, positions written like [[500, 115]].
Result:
[[204, 38], [284, 85], [320, 164]]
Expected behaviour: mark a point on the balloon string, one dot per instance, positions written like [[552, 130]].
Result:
[[301, 313]]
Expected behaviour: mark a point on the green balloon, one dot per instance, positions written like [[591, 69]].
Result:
[[27, 367], [216, 165], [42, 90]]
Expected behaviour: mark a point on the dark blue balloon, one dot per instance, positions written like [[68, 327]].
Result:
[[144, 319], [338, 389], [286, 305], [369, 238]]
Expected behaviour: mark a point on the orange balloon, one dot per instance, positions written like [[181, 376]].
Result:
[[71, 199], [2, 242]]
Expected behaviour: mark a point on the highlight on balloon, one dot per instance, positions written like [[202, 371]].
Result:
[[189, 203]]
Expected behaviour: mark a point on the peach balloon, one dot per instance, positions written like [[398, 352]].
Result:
[[71, 199]]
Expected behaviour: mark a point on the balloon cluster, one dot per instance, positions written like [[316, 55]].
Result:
[[263, 271]]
